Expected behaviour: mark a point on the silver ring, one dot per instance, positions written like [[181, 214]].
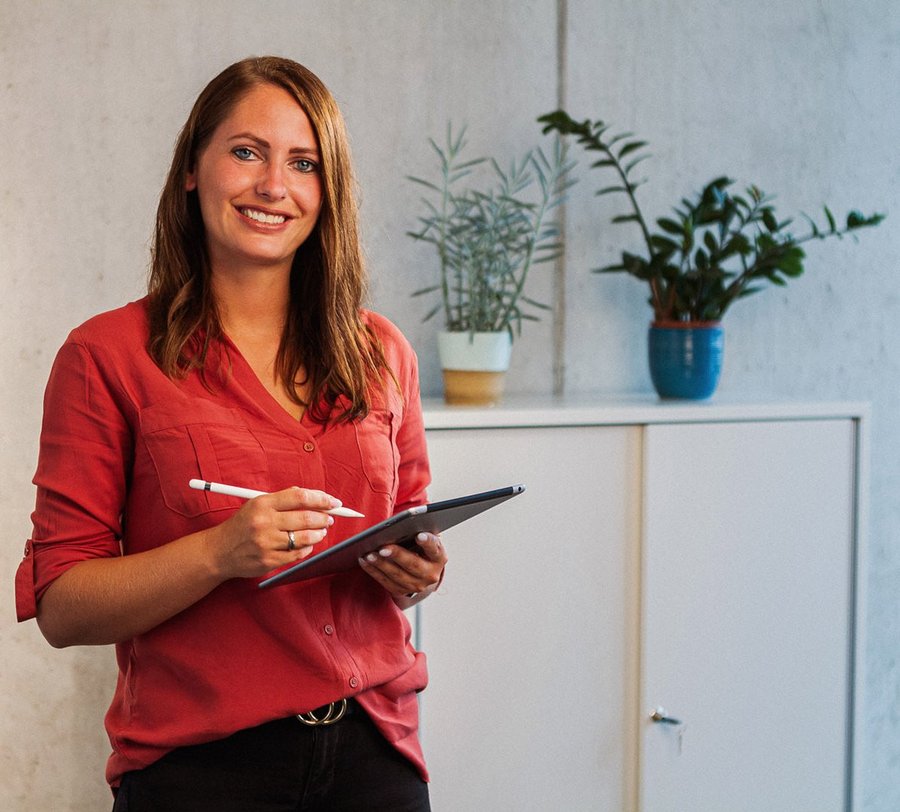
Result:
[[292, 543]]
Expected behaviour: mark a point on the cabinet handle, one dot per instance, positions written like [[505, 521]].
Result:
[[659, 715]]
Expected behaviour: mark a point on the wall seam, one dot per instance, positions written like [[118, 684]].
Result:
[[559, 268]]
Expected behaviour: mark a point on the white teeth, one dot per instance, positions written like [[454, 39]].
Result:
[[262, 217]]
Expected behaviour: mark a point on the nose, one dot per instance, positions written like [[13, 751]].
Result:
[[270, 183]]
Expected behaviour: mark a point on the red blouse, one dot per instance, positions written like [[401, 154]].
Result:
[[119, 443]]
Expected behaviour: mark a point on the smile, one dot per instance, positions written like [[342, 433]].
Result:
[[262, 217]]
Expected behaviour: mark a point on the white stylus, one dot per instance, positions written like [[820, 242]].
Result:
[[248, 493]]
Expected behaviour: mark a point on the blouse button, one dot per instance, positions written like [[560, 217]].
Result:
[[354, 682], [309, 447], [329, 629]]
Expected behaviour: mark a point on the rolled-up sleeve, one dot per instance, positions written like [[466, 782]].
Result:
[[85, 451]]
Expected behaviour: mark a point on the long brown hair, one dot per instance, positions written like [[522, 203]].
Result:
[[324, 333]]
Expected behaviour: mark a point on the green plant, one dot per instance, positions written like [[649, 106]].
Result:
[[717, 248], [487, 241]]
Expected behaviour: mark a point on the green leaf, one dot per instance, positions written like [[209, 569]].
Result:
[[814, 228], [433, 186], [631, 147], [792, 262], [701, 260], [433, 312], [664, 244], [856, 219], [533, 303], [632, 164], [670, 226], [738, 244], [620, 137]]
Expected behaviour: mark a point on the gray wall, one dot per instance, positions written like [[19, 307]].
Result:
[[799, 98]]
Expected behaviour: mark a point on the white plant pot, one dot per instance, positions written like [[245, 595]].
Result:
[[475, 352], [474, 366]]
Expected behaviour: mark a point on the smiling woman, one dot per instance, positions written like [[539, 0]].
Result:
[[251, 361], [258, 184]]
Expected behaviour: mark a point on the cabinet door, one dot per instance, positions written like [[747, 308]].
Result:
[[748, 601], [526, 639]]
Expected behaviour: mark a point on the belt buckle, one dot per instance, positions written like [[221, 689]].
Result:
[[334, 712]]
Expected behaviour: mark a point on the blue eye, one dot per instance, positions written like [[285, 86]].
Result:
[[242, 153], [306, 166]]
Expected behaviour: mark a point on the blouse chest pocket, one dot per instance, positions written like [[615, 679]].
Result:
[[200, 441], [376, 440]]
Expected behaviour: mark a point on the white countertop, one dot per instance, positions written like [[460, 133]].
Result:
[[517, 411]]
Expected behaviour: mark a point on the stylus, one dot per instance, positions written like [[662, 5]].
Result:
[[248, 493]]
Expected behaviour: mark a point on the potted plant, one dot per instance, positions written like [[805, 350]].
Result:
[[487, 241], [717, 248]]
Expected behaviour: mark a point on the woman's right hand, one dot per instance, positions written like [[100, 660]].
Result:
[[109, 600], [257, 539]]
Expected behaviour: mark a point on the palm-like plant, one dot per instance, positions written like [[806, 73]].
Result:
[[717, 248], [488, 240]]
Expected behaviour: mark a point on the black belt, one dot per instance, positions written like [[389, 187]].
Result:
[[326, 714]]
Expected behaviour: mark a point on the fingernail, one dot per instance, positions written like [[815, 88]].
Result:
[[384, 552], [330, 520], [422, 537], [371, 558]]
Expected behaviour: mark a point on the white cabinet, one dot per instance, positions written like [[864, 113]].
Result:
[[525, 640], [748, 555], [701, 559]]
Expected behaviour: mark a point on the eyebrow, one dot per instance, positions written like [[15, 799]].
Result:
[[248, 136]]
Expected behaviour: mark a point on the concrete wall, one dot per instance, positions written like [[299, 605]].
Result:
[[799, 98]]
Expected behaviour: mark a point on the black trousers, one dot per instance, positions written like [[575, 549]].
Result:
[[281, 766]]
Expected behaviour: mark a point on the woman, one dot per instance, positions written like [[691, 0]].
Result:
[[250, 362]]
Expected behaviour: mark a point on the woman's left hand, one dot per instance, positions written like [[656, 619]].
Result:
[[405, 573]]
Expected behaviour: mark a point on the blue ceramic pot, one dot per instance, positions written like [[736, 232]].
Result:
[[685, 358]]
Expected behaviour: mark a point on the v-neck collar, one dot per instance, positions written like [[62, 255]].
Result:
[[263, 399]]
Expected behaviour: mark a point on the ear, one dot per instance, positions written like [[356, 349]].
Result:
[[190, 181]]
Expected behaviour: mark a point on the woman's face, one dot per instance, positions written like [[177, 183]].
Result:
[[258, 183]]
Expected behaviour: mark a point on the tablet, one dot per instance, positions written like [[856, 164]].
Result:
[[401, 528]]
